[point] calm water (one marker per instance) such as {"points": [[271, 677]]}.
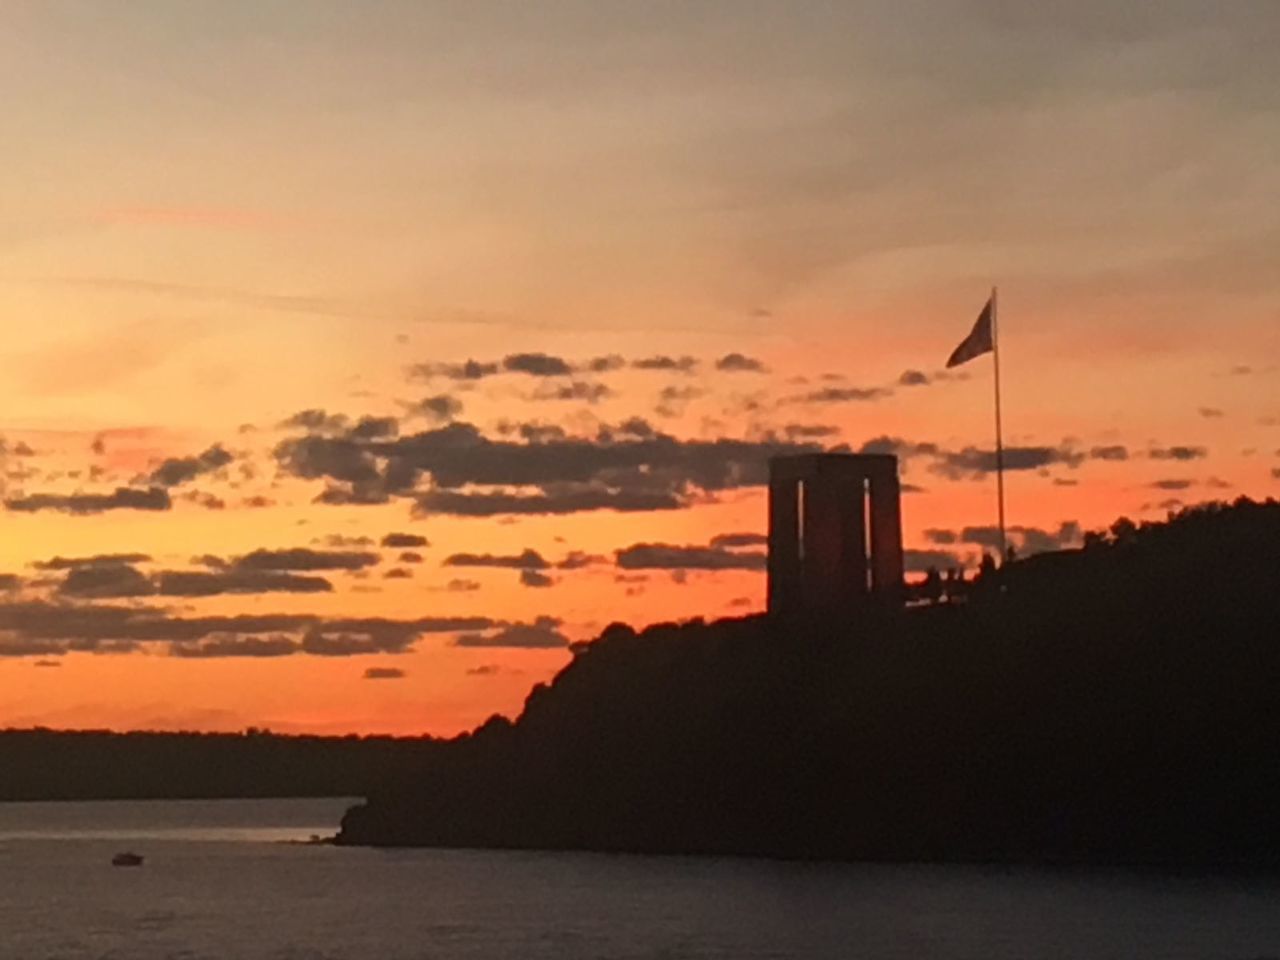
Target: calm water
{"points": [[219, 883]]}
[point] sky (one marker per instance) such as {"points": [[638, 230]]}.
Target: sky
{"points": [[360, 357]]}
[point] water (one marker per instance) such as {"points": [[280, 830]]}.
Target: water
{"points": [[219, 884]]}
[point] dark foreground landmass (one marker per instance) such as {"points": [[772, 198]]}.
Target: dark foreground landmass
{"points": [[1119, 703], [101, 765]]}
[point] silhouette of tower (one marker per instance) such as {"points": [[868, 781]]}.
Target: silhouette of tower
{"points": [[835, 532]]}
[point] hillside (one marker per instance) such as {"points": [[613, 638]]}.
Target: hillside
{"points": [[1115, 703]]}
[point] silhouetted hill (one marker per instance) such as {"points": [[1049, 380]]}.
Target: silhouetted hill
{"points": [[1115, 703], [97, 765]]}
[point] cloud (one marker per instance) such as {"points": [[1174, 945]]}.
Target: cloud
{"points": [[536, 365], [398, 573], [201, 583], [339, 540], [96, 560], [729, 541], [219, 647], [1181, 453], [591, 393], [935, 535], [664, 556], [1172, 484], [470, 370], [624, 466], [913, 378], [84, 504], [462, 586], [528, 559], [533, 578], [544, 632], [176, 471], [384, 673], [841, 395], [740, 363], [605, 364], [1210, 413], [440, 408], [1113, 452], [809, 431], [38, 627], [973, 463], [662, 362], [401, 540], [484, 670], [1027, 540], [303, 558], [577, 560], [106, 580], [409, 556], [562, 500]]}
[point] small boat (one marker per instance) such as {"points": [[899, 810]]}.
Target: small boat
{"points": [[126, 860]]}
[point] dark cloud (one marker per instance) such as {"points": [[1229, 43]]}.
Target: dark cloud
{"points": [[84, 504], [1113, 452], [534, 578], [316, 421], [672, 399], [403, 540], [42, 627], [179, 470], [1172, 484], [809, 431], [605, 364], [257, 501], [384, 673], [841, 395], [730, 541], [934, 535], [740, 363], [202, 583], [339, 541], [544, 632], [577, 560], [398, 573], [203, 499], [536, 365], [575, 390], [440, 408], [1182, 453], [973, 463], [664, 556], [46, 663], [106, 580], [470, 370], [303, 558], [1027, 540], [462, 586], [484, 670], [96, 560], [218, 647], [625, 466], [528, 559], [1210, 413], [409, 556], [561, 500], [374, 428], [10, 582], [661, 362], [913, 378]]}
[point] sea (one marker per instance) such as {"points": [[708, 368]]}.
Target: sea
{"points": [[232, 879]]}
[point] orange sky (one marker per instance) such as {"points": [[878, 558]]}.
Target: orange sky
{"points": [[217, 216]]}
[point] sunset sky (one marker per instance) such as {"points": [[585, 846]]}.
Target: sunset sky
{"points": [[360, 356]]}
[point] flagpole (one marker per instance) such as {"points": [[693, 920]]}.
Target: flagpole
{"points": [[995, 349]]}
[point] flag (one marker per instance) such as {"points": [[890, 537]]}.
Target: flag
{"points": [[978, 341]]}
